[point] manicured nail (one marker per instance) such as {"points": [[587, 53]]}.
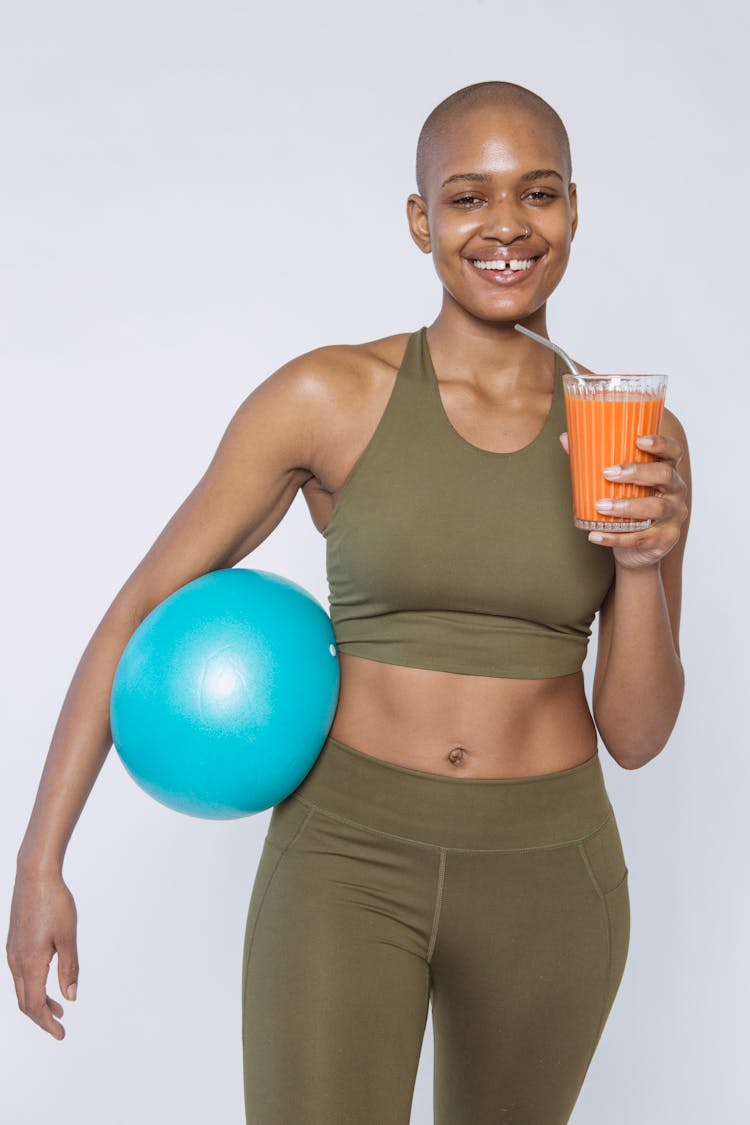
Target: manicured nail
{"points": [[596, 537], [604, 505], [645, 441], [72, 991], [612, 470]]}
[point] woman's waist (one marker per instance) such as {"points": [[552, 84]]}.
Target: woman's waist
{"points": [[522, 813], [460, 725]]}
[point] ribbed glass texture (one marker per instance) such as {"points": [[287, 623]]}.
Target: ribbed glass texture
{"points": [[605, 415]]}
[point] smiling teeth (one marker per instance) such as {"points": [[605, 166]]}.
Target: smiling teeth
{"points": [[515, 264]]}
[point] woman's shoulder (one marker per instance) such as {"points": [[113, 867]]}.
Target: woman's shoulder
{"points": [[341, 391], [331, 360], [340, 374]]}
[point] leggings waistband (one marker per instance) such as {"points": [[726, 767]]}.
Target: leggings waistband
{"points": [[542, 810]]}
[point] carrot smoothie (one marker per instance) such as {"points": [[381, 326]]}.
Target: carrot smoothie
{"points": [[606, 413]]}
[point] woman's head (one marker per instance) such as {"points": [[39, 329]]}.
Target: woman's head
{"points": [[477, 200]]}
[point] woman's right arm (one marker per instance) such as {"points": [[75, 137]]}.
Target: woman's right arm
{"points": [[260, 463]]}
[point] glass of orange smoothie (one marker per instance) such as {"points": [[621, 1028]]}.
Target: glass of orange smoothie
{"points": [[606, 413]]}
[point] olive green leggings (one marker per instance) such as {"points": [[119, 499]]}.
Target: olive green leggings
{"points": [[380, 890]]}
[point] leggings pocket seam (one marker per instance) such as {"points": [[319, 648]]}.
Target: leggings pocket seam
{"points": [[599, 828], [603, 903], [310, 814], [581, 845], [312, 809], [603, 895], [617, 885], [271, 877], [589, 870], [280, 853]]}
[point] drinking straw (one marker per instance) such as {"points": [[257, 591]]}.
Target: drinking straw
{"points": [[548, 344]]}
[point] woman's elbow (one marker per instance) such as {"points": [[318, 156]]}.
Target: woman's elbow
{"points": [[631, 753], [637, 737]]}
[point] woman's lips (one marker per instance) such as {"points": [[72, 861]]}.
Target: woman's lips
{"points": [[506, 276]]}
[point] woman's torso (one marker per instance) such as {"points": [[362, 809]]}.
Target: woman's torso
{"points": [[441, 722]]}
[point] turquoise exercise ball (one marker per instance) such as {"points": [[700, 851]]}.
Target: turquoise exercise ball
{"points": [[224, 694]]}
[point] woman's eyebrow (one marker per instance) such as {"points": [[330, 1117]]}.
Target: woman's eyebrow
{"points": [[483, 177]]}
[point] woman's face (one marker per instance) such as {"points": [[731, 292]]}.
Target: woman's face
{"points": [[483, 217]]}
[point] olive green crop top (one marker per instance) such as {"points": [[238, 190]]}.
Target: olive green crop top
{"points": [[443, 555]]}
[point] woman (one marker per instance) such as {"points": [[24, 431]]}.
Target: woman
{"points": [[454, 842]]}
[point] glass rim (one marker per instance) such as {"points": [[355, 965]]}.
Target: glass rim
{"points": [[585, 375]]}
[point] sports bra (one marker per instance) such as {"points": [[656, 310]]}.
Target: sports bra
{"points": [[443, 555]]}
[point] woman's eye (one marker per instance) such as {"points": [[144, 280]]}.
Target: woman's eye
{"points": [[467, 200]]}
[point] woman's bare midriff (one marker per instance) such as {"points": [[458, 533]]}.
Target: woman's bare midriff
{"points": [[460, 725]]}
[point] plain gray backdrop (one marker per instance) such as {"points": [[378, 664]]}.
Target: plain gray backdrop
{"points": [[193, 194]]}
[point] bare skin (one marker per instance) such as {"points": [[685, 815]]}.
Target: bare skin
{"points": [[304, 427]]}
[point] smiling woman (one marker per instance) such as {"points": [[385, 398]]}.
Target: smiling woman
{"points": [[460, 784], [454, 842]]}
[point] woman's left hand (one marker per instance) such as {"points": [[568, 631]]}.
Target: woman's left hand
{"points": [[667, 508]]}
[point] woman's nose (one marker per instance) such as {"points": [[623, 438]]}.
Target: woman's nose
{"points": [[504, 223]]}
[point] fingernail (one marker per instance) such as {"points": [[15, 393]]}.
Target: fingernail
{"points": [[595, 537], [71, 993], [645, 441], [604, 505], [612, 470]]}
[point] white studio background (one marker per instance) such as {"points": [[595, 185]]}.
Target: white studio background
{"points": [[194, 193]]}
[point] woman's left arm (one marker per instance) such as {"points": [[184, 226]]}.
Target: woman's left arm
{"points": [[639, 680]]}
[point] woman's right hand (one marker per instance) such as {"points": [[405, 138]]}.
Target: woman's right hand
{"points": [[43, 921]]}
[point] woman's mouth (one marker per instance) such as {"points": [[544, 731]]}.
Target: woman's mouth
{"points": [[503, 271]]}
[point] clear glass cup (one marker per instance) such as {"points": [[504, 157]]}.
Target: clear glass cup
{"points": [[605, 414]]}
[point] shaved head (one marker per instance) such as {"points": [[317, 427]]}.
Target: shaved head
{"points": [[504, 97]]}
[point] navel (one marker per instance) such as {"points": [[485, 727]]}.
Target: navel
{"points": [[457, 756]]}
